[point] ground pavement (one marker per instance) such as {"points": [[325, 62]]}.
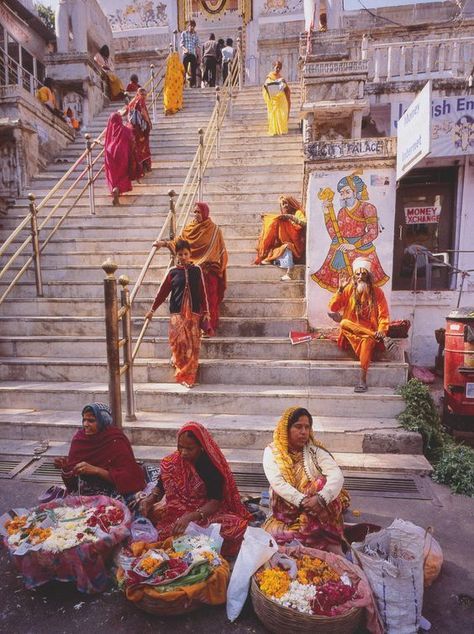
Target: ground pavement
{"points": [[59, 608]]}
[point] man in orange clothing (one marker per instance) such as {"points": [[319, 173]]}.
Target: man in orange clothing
{"points": [[364, 320]]}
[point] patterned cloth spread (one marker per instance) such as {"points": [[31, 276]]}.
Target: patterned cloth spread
{"points": [[190, 41], [186, 492], [86, 565]]}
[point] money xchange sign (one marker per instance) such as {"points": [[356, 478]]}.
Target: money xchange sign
{"points": [[414, 132], [422, 215]]}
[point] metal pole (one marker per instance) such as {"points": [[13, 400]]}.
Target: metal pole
{"points": [[175, 40], [172, 194], [127, 349], [90, 174], [240, 60], [218, 125], [201, 161], [153, 104], [112, 340], [35, 243]]}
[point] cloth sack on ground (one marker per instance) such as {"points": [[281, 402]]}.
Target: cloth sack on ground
{"points": [[257, 548], [392, 559], [432, 554]]}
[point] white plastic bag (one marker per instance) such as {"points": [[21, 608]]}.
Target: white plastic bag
{"points": [[257, 547], [213, 531], [392, 559]]}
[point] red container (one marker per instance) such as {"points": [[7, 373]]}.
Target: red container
{"points": [[459, 364]]}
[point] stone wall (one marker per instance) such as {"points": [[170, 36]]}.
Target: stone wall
{"points": [[33, 135]]}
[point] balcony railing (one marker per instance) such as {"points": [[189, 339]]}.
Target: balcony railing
{"points": [[318, 69]]}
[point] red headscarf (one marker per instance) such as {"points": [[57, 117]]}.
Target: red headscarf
{"points": [[204, 209], [207, 442]]}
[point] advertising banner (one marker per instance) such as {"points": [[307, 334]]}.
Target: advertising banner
{"points": [[414, 132]]}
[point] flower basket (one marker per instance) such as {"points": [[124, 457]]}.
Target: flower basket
{"points": [[280, 620], [281, 615], [87, 564], [181, 599]]}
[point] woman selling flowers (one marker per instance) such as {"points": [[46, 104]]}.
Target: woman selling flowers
{"points": [[307, 497], [101, 460], [199, 487]]}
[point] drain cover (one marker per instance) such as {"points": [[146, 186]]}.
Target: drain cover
{"points": [[42, 470], [11, 465]]}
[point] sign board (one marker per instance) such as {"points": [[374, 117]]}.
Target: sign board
{"points": [[354, 148], [452, 126], [414, 132], [422, 215]]}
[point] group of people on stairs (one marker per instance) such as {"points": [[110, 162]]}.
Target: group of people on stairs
{"points": [[195, 482]]}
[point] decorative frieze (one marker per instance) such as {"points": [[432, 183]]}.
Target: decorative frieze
{"points": [[318, 69]]}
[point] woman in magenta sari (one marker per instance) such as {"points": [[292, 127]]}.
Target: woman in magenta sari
{"points": [[307, 498], [118, 157], [140, 123]]}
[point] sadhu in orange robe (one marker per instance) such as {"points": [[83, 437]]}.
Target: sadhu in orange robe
{"points": [[360, 323]]}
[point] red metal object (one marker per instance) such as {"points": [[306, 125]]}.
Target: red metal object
{"points": [[459, 364]]}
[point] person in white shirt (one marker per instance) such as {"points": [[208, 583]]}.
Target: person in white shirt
{"points": [[306, 486], [227, 57]]}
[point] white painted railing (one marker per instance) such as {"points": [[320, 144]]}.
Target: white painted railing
{"points": [[423, 59]]}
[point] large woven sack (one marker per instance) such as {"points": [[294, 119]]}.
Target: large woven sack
{"points": [[397, 584]]}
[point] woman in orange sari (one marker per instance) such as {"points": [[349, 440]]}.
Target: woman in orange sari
{"points": [[307, 498], [197, 485], [139, 121], [209, 252], [282, 239]]}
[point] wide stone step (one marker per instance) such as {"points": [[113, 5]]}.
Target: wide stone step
{"points": [[82, 306], [86, 273], [378, 435], [215, 399], [158, 347], [94, 289], [32, 325], [211, 371]]}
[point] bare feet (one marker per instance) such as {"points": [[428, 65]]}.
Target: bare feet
{"points": [[116, 195], [362, 387], [337, 317]]}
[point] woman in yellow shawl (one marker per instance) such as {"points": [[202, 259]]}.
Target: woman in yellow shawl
{"points": [[102, 59], [208, 250], [174, 84], [276, 94], [282, 239], [307, 498]]}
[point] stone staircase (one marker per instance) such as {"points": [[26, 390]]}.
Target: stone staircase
{"points": [[53, 348]]}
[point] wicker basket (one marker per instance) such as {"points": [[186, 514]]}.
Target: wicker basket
{"points": [[154, 605], [281, 620]]}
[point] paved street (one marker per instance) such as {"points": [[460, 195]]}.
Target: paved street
{"points": [[58, 608]]}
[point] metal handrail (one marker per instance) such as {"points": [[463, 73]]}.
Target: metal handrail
{"points": [[20, 72], [193, 182], [156, 82]]}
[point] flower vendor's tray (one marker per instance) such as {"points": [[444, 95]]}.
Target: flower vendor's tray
{"points": [[308, 590], [67, 540], [172, 577]]}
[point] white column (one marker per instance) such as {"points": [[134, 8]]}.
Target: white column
{"points": [[309, 7], [334, 14]]}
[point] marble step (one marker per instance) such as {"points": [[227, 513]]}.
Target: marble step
{"points": [[380, 435], [226, 371], [286, 308], [215, 399]]}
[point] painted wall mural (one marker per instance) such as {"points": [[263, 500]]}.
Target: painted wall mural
{"points": [[350, 216], [281, 7], [137, 15]]}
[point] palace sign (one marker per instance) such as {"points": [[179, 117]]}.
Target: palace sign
{"points": [[414, 133]]}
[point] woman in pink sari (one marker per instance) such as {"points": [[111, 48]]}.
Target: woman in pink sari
{"points": [[118, 157], [140, 123]]}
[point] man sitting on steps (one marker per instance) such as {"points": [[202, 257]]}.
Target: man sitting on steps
{"points": [[364, 320]]}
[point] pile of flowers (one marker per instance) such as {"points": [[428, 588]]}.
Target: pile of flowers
{"points": [[58, 529], [312, 588], [168, 565]]}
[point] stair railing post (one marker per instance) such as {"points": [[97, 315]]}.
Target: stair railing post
{"points": [[35, 243], [127, 348], [153, 104], [240, 59], [90, 174], [201, 162], [112, 340], [175, 39], [218, 119], [172, 194]]}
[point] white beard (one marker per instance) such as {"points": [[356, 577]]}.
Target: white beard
{"points": [[362, 288]]}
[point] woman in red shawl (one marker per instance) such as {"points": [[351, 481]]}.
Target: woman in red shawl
{"points": [[140, 123], [198, 486], [208, 250], [101, 460], [118, 157]]}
